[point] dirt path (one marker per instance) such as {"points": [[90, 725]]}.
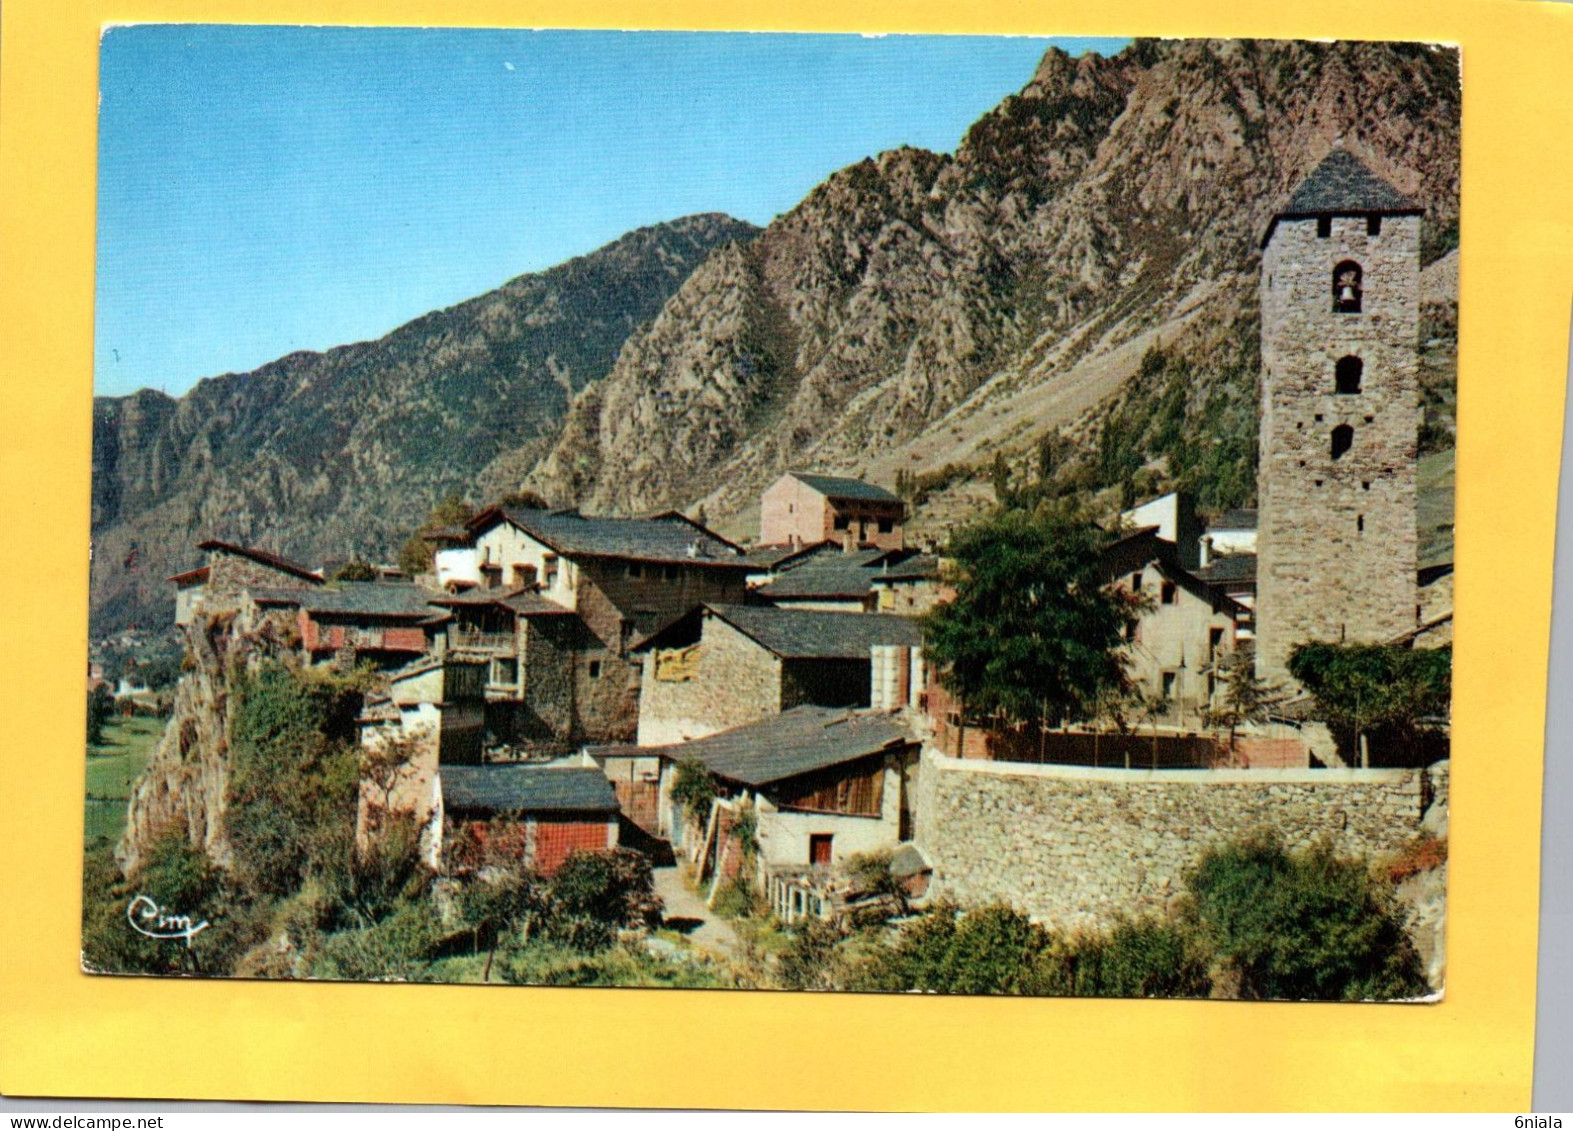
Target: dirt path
{"points": [[687, 913]]}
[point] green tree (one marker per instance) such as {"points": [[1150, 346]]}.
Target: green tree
{"points": [[356, 569], [1359, 688], [694, 788], [1246, 699], [1033, 635], [100, 706], [1302, 926]]}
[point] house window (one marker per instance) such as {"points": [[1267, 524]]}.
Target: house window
{"points": [[672, 573], [1346, 287], [551, 570], [1166, 593], [1324, 227], [1346, 375], [1373, 225], [886, 525], [1343, 440], [635, 570], [819, 849], [1136, 580], [505, 672], [1214, 642], [842, 522], [1360, 524], [595, 669], [1168, 684]]}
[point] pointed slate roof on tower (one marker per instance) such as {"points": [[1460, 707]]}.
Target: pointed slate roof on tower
{"points": [[1342, 185]]}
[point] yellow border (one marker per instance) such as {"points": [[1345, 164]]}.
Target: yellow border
{"points": [[68, 1034]]}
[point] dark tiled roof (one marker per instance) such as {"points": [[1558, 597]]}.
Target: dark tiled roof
{"points": [[664, 538], [797, 634], [1228, 568], [526, 789], [794, 742], [293, 598], [383, 600], [1243, 519], [919, 567], [841, 487], [263, 557], [521, 602], [769, 557], [830, 574], [1342, 185]]}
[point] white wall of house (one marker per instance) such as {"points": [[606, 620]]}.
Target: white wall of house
{"points": [[784, 834], [1226, 541], [508, 546], [457, 564]]}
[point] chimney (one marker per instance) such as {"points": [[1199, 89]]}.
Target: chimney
{"points": [[1207, 548], [849, 542]]}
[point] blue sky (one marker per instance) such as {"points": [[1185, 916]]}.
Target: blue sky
{"points": [[263, 190]]}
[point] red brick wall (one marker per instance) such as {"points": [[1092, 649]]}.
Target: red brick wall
{"points": [[1271, 753], [409, 639], [556, 839]]}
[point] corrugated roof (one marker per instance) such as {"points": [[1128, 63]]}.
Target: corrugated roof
{"points": [[794, 742], [1228, 568], [526, 789], [1343, 185], [664, 538], [797, 634], [384, 600], [264, 557], [842, 487]]}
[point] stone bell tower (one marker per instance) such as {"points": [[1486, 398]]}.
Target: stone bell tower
{"points": [[1340, 304]]}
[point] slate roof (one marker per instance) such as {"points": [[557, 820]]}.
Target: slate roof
{"points": [[526, 789], [799, 741], [522, 602], [842, 487], [919, 567], [1229, 568], [664, 538], [1343, 185], [798, 634], [1242, 519], [263, 557], [383, 600], [770, 556], [830, 574]]}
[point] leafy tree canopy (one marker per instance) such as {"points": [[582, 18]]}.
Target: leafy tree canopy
{"points": [[1365, 686], [415, 555], [1033, 634]]}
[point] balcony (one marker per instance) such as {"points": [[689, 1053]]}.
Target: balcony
{"points": [[501, 643]]}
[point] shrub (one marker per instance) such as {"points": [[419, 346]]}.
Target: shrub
{"points": [[694, 788], [1302, 925], [616, 888], [989, 951], [811, 960], [398, 949], [1137, 958]]}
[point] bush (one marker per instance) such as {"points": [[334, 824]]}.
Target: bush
{"points": [[694, 788], [616, 888], [1302, 925], [811, 960], [398, 949], [736, 899], [1140, 958], [989, 951]]}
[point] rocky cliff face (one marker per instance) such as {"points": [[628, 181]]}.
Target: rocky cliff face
{"points": [[918, 307], [330, 454]]}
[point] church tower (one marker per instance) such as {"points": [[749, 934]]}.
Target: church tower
{"points": [[1340, 305]]}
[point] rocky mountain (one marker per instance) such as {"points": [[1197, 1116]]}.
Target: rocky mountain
{"points": [[928, 314], [327, 454]]}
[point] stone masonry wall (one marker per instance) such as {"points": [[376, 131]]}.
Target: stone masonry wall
{"points": [[1078, 847], [724, 681], [1336, 543]]}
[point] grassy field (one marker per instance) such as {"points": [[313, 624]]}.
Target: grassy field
{"points": [[111, 768]]}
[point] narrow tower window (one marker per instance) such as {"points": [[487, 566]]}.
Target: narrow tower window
{"points": [[1343, 440], [1324, 227], [1373, 225], [1347, 374], [1346, 287]]}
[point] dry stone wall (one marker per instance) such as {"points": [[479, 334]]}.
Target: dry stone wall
{"points": [[1078, 847]]}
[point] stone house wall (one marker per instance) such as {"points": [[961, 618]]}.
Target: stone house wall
{"points": [[1183, 639], [724, 681], [1336, 539], [1079, 847], [622, 600]]}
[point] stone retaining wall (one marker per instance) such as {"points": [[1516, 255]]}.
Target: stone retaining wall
{"points": [[1079, 846]]}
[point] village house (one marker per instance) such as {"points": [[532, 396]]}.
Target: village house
{"points": [[831, 579], [437, 702], [229, 571], [727, 665], [825, 783], [537, 815], [800, 509], [385, 624], [1231, 532]]}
